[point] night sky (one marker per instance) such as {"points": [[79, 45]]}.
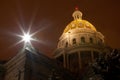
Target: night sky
{"points": [[50, 17]]}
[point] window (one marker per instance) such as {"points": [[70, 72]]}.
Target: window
{"points": [[91, 40], [74, 41], [101, 41], [82, 40], [66, 45]]}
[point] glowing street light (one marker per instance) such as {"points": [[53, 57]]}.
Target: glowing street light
{"points": [[26, 38]]}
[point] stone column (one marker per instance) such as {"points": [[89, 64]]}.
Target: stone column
{"points": [[64, 59], [67, 61], [79, 60], [92, 56]]}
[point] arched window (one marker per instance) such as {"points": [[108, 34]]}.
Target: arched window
{"points": [[82, 40], [101, 41], [74, 41], [66, 45], [91, 40]]}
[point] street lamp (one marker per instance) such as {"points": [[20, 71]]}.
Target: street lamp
{"points": [[26, 38]]}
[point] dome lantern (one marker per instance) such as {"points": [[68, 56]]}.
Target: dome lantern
{"points": [[77, 14]]}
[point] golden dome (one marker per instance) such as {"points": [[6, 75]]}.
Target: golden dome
{"points": [[78, 22]]}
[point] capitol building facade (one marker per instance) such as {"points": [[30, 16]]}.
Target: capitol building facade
{"points": [[80, 44]]}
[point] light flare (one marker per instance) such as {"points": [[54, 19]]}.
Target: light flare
{"points": [[26, 38]]}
